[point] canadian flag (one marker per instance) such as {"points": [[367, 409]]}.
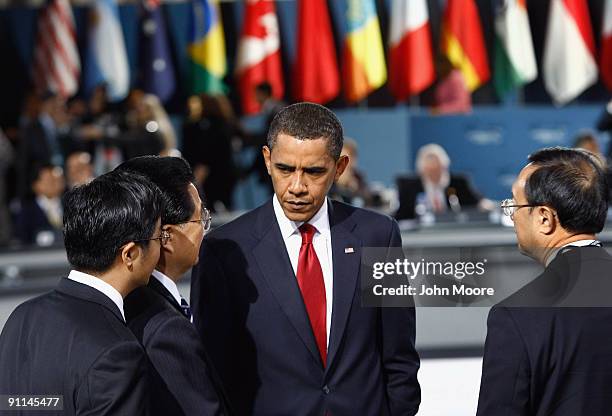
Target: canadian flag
{"points": [[259, 58], [569, 52], [411, 67], [605, 62]]}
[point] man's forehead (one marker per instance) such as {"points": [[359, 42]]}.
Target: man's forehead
{"points": [[521, 180]]}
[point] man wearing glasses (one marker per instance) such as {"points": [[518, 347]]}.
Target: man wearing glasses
{"points": [[183, 381], [548, 345], [73, 342]]}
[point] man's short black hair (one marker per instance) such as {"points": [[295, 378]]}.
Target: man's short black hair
{"points": [[172, 175], [572, 182], [107, 213], [308, 121]]}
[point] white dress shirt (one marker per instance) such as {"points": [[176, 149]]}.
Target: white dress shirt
{"points": [[579, 243], [322, 244], [168, 284], [101, 286]]}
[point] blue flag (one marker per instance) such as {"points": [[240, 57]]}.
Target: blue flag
{"points": [[156, 68]]}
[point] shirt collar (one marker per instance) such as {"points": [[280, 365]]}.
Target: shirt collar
{"points": [[101, 286], [320, 220], [579, 243], [168, 284]]}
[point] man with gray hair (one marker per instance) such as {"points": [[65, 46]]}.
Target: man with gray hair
{"points": [[277, 299], [439, 190]]}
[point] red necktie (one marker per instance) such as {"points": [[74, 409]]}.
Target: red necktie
{"points": [[310, 280]]}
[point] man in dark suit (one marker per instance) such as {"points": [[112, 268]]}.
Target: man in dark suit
{"points": [[74, 341], [277, 296], [435, 187], [548, 346], [39, 219], [183, 381]]}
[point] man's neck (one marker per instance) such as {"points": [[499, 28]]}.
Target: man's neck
{"points": [[119, 283], [562, 241], [174, 273]]}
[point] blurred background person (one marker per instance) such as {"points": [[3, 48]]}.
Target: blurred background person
{"points": [[586, 140], [194, 128], [352, 187], [149, 131], [207, 145], [39, 219], [79, 169], [451, 94], [6, 158], [435, 188], [269, 107], [41, 141]]}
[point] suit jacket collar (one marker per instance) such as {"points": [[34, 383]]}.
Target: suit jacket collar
{"points": [[273, 260], [160, 289], [82, 291]]}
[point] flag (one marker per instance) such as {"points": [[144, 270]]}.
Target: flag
{"points": [[315, 72], [57, 66], [569, 51], [259, 57], [605, 62], [206, 48], [107, 61], [463, 43], [157, 70], [364, 68], [411, 66], [515, 62]]}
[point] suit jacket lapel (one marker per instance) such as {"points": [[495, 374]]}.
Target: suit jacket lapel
{"points": [[273, 260], [79, 290], [156, 285], [346, 272]]}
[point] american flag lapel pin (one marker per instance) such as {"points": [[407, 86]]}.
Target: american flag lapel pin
{"points": [[349, 250]]}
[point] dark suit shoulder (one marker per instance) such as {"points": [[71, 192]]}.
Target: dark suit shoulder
{"points": [[92, 324], [237, 228]]}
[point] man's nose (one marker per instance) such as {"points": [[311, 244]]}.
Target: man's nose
{"points": [[298, 184]]}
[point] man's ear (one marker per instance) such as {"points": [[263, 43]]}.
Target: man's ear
{"points": [[265, 150], [341, 165], [130, 253], [547, 220], [169, 246]]}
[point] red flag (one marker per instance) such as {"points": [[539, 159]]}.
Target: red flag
{"points": [[57, 66], [259, 58], [605, 62], [315, 73], [463, 42], [411, 66]]}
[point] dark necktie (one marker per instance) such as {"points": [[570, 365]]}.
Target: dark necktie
{"points": [[185, 308], [310, 281]]}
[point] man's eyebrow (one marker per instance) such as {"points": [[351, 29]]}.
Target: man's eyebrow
{"points": [[283, 166], [315, 169]]}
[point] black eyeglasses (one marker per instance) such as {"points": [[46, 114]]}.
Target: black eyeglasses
{"points": [[509, 206], [163, 238], [205, 220]]}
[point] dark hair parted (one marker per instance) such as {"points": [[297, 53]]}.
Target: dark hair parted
{"points": [[308, 121], [172, 175], [107, 213], [572, 182]]}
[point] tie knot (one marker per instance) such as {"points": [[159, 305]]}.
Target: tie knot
{"points": [[307, 232]]}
